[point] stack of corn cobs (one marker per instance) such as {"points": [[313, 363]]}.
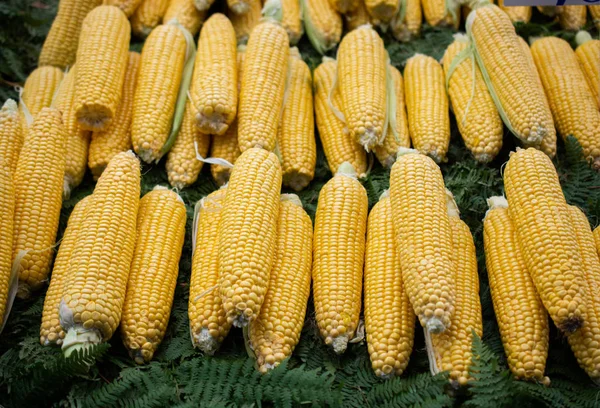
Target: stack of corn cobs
{"points": [[255, 253]]}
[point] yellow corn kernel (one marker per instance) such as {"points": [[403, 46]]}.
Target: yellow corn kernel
{"points": [[208, 322], [572, 18], [595, 13], [156, 92], [7, 212], [39, 90], [186, 14], [243, 24], [50, 330], [248, 226], [588, 55], [148, 16], [409, 27], [101, 64], [451, 351], [585, 343], [357, 17], [437, 13], [60, 46], [478, 119], [239, 6], [339, 251], [276, 331], [566, 87], [11, 135], [128, 6], [78, 140], [427, 106], [423, 238], [521, 316], [153, 276], [214, 83], [511, 76], [539, 211], [38, 197], [389, 317], [291, 19], [362, 84], [338, 146], [382, 10], [296, 136], [97, 274], [323, 24], [517, 14], [224, 147], [263, 85], [117, 137], [344, 6]]}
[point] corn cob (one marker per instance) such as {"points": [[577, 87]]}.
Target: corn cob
{"points": [[357, 17], [127, 6], [427, 106], [451, 350], [39, 90], [588, 55], [38, 197], [539, 211], [208, 322], [184, 11], [8, 275], [11, 135], [102, 62], [239, 6], [517, 14], [438, 13], [344, 6], [389, 334], [263, 86], [323, 24], [566, 87], [94, 290], [148, 16], [572, 18], [153, 275], [291, 19], [338, 146], [243, 24], [423, 238], [585, 343], [595, 13], [60, 46], [382, 10], [117, 137], [386, 152], [276, 330], [50, 330], [78, 140], [156, 92], [478, 119], [338, 250], [248, 226], [362, 84], [224, 147], [214, 82], [510, 76], [525, 340], [406, 24], [296, 136]]}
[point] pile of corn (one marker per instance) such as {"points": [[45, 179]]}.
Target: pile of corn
{"points": [[245, 97]]}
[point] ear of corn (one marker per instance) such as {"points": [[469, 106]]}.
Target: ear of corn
{"points": [[39, 90], [224, 147], [263, 85], [276, 331], [60, 46], [357, 17], [424, 238], [7, 273], [296, 136], [539, 211], [161, 69], [208, 321], [323, 24], [382, 10], [588, 55], [566, 87], [514, 295], [185, 12], [427, 106], [243, 24], [343, 6], [361, 78], [338, 146], [595, 13], [239, 6], [501, 56], [585, 343], [94, 290], [117, 137], [11, 135], [476, 115], [406, 24], [148, 16], [101, 65], [292, 19], [386, 152], [128, 6], [517, 14], [438, 13], [248, 226], [153, 276], [50, 331], [214, 83], [389, 317], [38, 196], [339, 250], [572, 18]]}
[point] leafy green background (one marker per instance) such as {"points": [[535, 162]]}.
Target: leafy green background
{"points": [[32, 375]]}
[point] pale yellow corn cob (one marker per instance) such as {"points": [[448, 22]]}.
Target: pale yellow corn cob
{"points": [[409, 27], [291, 19], [38, 196], [517, 14], [357, 17], [148, 16], [39, 90], [323, 24], [572, 18], [128, 6], [588, 55], [11, 135], [7, 212], [243, 24], [437, 14], [343, 6], [184, 11]]}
